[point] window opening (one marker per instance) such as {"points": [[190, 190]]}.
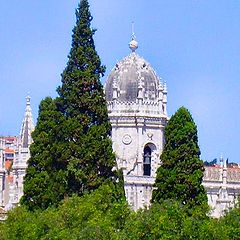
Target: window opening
{"points": [[147, 161]]}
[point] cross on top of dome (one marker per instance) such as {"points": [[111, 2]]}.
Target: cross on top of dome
{"points": [[133, 45]]}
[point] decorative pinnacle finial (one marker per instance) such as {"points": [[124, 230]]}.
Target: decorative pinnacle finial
{"points": [[133, 34], [133, 45], [165, 86], [28, 98]]}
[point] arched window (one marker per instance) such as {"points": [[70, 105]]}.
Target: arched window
{"points": [[147, 161]]}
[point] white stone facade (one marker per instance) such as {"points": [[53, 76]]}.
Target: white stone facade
{"points": [[137, 108], [222, 184]]}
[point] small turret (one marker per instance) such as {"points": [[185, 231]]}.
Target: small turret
{"points": [[22, 155], [165, 98], [140, 89], [27, 126], [115, 89]]}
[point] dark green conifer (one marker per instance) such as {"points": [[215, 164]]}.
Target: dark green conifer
{"points": [[180, 175], [81, 100], [79, 155], [44, 183]]}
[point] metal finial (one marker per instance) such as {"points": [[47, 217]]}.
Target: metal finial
{"points": [[133, 34], [28, 98], [133, 45]]}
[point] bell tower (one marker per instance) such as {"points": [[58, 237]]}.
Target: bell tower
{"points": [[136, 100]]}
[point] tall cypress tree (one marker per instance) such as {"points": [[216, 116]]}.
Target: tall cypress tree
{"points": [[180, 175], [81, 100], [80, 148]]}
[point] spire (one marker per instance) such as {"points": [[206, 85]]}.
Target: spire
{"points": [[133, 34], [27, 125], [133, 45]]}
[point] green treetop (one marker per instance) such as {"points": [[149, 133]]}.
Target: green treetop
{"points": [[180, 175]]}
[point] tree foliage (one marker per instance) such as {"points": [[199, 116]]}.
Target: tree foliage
{"points": [[72, 150], [95, 216], [44, 183], [180, 175]]}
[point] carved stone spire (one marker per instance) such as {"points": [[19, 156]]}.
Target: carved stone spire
{"points": [[27, 125]]}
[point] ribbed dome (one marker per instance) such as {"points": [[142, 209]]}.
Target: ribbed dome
{"points": [[130, 74]]}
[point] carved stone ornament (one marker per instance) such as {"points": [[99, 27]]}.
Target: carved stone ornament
{"points": [[150, 135], [127, 139]]}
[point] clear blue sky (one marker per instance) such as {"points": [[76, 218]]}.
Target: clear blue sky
{"points": [[194, 45]]}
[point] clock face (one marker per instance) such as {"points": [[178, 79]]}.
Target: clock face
{"points": [[127, 139]]}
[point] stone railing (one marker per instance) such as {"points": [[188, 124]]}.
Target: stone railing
{"points": [[146, 180], [214, 173]]}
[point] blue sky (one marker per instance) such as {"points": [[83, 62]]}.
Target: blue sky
{"points": [[192, 44]]}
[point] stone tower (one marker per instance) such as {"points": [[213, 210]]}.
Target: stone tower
{"points": [[137, 108], [22, 154]]}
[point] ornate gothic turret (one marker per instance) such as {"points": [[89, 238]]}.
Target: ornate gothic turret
{"points": [[22, 154], [137, 102], [27, 126]]}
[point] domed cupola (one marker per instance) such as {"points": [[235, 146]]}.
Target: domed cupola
{"points": [[133, 81], [130, 78]]}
